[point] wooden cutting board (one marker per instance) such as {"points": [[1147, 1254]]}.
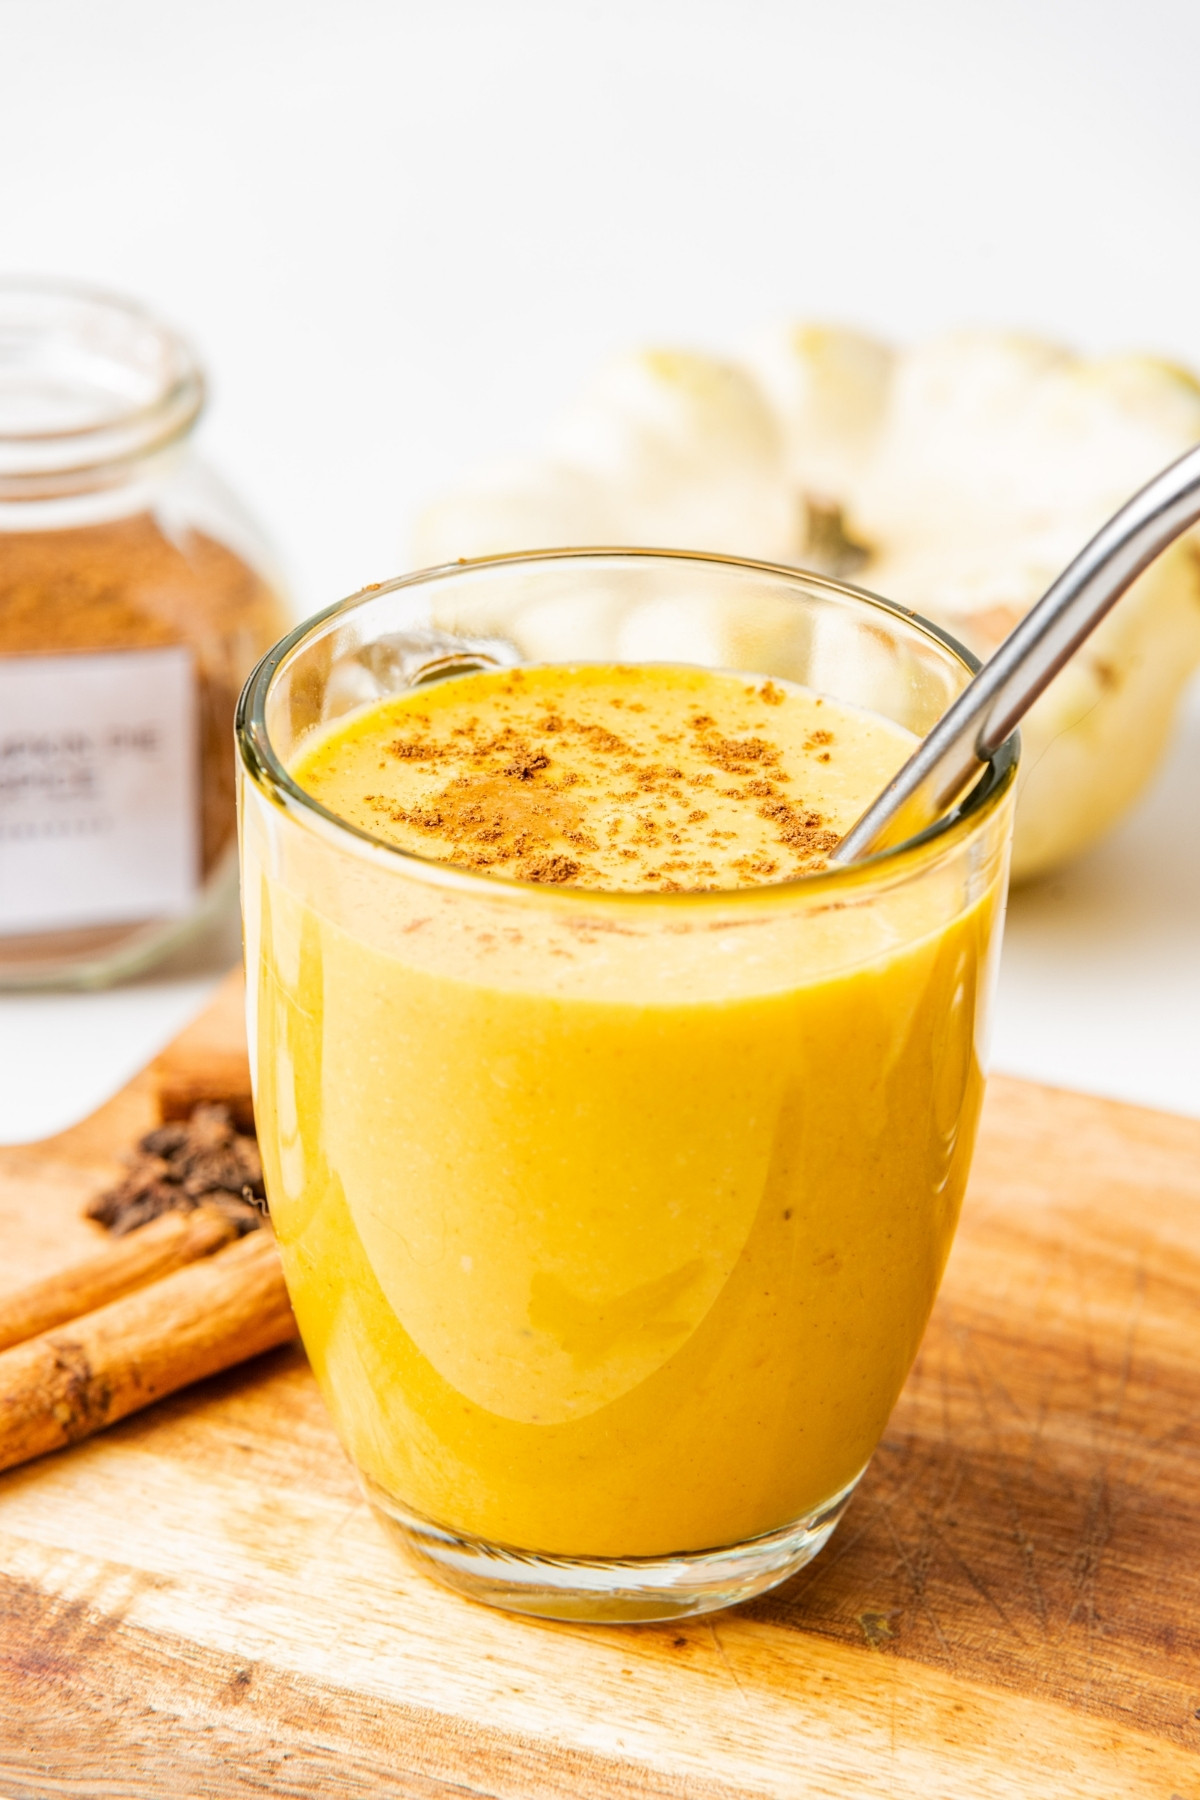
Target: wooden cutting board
{"points": [[198, 1603]]}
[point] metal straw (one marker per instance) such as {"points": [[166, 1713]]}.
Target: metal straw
{"points": [[992, 705]]}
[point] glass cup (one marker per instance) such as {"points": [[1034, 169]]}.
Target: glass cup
{"points": [[612, 1222]]}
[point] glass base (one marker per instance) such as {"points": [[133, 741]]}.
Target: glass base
{"points": [[610, 1590]]}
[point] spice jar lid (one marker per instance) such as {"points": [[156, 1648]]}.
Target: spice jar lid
{"points": [[89, 383]]}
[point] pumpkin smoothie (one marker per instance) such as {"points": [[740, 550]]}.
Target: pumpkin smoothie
{"points": [[612, 1223]]}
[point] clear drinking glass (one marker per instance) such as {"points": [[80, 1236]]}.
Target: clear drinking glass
{"points": [[612, 1222]]}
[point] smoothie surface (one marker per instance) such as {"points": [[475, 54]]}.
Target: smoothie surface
{"points": [[635, 777]]}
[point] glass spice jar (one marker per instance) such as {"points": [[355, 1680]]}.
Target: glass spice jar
{"points": [[135, 597]]}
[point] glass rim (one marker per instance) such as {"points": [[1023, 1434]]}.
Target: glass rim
{"points": [[263, 766], [46, 461]]}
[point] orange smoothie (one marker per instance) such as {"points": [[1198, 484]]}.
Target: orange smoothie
{"points": [[612, 1225]]}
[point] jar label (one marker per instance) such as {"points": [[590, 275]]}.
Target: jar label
{"points": [[99, 788]]}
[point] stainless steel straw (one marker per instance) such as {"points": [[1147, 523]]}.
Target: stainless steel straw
{"points": [[992, 705]]}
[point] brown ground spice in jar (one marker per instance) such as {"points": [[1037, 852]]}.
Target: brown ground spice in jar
{"points": [[126, 584]]}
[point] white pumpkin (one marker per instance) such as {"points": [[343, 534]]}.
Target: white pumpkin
{"points": [[958, 477]]}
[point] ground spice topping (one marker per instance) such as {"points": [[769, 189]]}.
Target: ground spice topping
{"points": [[632, 777]]}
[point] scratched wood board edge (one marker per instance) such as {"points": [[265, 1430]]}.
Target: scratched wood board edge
{"points": [[1037, 1116], [153, 1713]]}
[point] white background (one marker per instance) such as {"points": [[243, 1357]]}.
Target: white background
{"points": [[402, 231]]}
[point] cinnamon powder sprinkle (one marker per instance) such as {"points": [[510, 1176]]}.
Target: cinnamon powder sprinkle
{"points": [[521, 773]]}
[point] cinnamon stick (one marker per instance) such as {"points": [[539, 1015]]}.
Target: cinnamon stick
{"points": [[208, 1061], [67, 1383], [123, 1265]]}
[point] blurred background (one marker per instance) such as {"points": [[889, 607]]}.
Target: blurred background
{"points": [[401, 235]]}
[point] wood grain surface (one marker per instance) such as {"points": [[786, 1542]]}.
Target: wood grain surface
{"points": [[198, 1602]]}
